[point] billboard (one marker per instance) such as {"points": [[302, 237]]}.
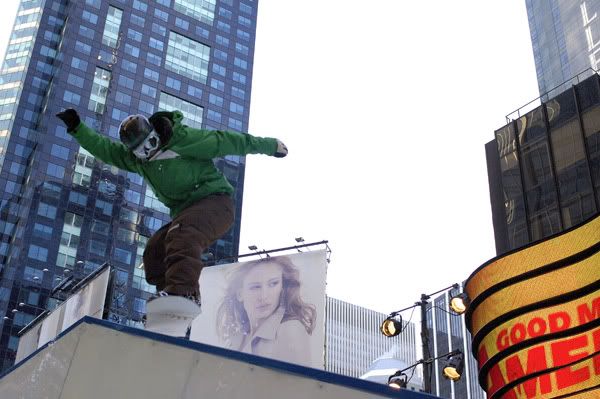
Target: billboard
{"points": [[87, 301], [535, 318], [272, 307]]}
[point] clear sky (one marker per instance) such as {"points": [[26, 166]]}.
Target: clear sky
{"points": [[385, 106]]}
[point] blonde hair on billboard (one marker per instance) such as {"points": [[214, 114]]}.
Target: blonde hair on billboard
{"points": [[232, 319]]}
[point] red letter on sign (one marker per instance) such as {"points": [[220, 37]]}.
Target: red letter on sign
{"points": [[559, 321], [588, 314], [536, 361], [597, 349], [561, 354]]}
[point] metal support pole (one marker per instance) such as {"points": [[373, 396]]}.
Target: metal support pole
{"points": [[425, 341]]}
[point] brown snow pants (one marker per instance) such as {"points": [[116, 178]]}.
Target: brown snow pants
{"points": [[172, 255]]}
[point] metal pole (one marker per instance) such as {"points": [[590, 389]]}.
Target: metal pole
{"points": [[425, 342]]}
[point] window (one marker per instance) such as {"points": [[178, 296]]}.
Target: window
{"points": [[235, 124], [215, 100], [55, 170], [42, 231], [75, 80], [79, 64], [38, 253], [132, 196], [140, 6], [90, 17], [100, 227], [149, 90], [122, 256], [151, 74], [161, 30], [132, 50], [194, 91], [71, 97], [173, 83], [192, 112], [99, 92], [77, 198], [125, 235], [161, 15], [129, 215], [214, 116], [237, 92], [243, 35], [238, 62], [154, 59], [183, 24], [134, 35], [97, 248], [137, 20], [201, 10], [86, 32], [187, 57], [125, 82], [129, 66], [150, 201], [156, 44], [220, 55], [223, 41], [240, 78], [217, 84], [104, 207], [83, 48], [236, 108], [60, 151], [123, 98], [244, 21], [218, 69]]}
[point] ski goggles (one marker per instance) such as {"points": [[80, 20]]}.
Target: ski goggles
{"points": [[147, 148]]}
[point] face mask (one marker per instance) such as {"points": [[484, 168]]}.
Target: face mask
{"points": [[148, 147]]}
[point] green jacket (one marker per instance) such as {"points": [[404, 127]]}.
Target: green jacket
{"points": [[183, 171]]}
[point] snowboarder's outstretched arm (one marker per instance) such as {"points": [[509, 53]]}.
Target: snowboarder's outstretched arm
{"points": [[103, 148], [208, 144]]}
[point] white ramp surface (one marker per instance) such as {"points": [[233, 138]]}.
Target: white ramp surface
{"points": [[96, 359]]}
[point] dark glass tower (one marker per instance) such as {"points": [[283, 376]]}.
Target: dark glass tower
{"points": [[544, 168], [565, 36], [64, 213]]}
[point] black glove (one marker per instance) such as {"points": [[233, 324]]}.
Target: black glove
{"points": [[70, 118], [282, 150]]}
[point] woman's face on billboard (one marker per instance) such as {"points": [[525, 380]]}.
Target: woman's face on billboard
{"points": [[261, 291]]}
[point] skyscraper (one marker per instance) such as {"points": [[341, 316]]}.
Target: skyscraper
{"points": [[64, 213], [565, 36], [544, 165]]}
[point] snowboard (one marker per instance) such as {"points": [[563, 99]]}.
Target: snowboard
{"points": [[171, 315]]}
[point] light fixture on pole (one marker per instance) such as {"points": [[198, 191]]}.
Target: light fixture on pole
{"points": [[452, 370], [392, 325], [454, 367], [459, 303]]}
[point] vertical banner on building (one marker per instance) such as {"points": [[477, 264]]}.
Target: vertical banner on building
{"points": [[272, 307], [535, 318]]}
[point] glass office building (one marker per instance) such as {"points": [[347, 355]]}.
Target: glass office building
{"points": [[565, 36], [544, 168], [64, 213]]}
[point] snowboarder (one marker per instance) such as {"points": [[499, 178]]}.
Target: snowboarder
{"points": [[177, 163]]}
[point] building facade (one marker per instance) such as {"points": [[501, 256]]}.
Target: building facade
{"points": [[64, 213], [354, 342], [544, 168], [565, 36]]}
